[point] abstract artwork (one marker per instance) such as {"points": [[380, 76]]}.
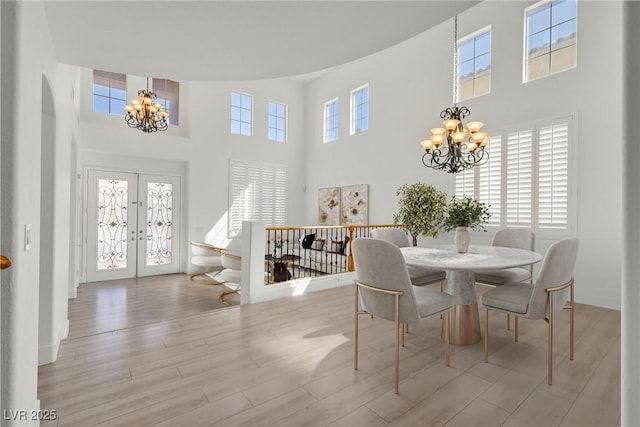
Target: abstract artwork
{"points": [[329, 206], [355, 204]]}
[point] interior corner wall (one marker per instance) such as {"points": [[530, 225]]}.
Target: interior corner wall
{"points": [[410, 83]]}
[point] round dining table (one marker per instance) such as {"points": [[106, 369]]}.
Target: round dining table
{"points": [[460, 267]]}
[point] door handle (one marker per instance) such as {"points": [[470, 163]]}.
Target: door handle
{"points": [[4, 262]]}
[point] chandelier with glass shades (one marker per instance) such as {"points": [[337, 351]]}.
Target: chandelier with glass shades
{"points": [[145, 114], [454, 148]]}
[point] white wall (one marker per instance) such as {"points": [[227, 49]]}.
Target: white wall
{"points": [[24, 29], [411, 83]]}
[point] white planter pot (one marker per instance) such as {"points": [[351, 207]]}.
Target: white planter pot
{"points": [[278, 253], [462, 240]]}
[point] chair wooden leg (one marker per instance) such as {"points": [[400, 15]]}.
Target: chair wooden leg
{"points": [[355, 339], [508, 322], [397, 362], [550, 342], [406, 327], [224, 294], [515, 326], [486, 336], [447, 338], [571, 322], [402, 334]]}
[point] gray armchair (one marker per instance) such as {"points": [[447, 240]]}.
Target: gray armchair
{"points": [[541, 300], [420, 276], [384, 287], [518, 238]]}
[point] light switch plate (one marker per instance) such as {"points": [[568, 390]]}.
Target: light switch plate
{"points": [[27, 237]]}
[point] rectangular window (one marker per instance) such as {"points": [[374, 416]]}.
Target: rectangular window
{"points": [[490, 180], [360, 109], [551, 29], [168, 94], [519, 178], [277, 122], [465, 183], [527, 180], [553, 176], [474, 65], [109, 92], [257, 192], [241, 114], [330, 120]]}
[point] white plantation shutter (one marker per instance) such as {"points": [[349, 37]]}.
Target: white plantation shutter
{"points": [[490, 180], [465, 183], [553, 176], [519, 178], [257, 192]]}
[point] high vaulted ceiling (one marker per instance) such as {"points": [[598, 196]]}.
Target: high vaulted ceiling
{"points": [[233, 40]]}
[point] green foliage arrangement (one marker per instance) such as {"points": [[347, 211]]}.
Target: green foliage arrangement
{"points": [[466, 212], [421, 209]]}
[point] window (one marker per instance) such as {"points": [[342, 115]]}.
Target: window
{"points": [[474, 65], [109, 92], [527, 180], [331, 120], [490, 180], [550, 38], [360, 109], [168, 94], [241, 114], [257, 192], [277, 122]]}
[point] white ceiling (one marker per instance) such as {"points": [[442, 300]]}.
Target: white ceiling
{"points": [[233, 40]]}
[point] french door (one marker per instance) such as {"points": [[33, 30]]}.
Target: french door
{"points": [[132, 225]]}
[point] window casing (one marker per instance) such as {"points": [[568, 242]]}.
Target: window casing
{"points": [[277, 122], [550, 38], [109, 92], [359, 110], [528, 179], [474, 65], [330, 120], [241, 114], [168, 94], [257, 192]]}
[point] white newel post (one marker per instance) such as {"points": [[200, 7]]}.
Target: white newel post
{"points": [[253, 235]]}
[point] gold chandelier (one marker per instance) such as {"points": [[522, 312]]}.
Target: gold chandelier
{"points": [[145, 114], [453, 148]]}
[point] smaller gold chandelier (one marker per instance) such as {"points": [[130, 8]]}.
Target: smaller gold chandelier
{"points": [[145, 114]]}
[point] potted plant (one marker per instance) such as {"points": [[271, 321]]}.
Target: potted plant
{"points": [[421, 210], [463, 214]]}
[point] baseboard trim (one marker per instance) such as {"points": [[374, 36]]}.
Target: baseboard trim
{"points": [[49, 353]]}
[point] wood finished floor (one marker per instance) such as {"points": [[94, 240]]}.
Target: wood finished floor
{"points": [[289, 362]]}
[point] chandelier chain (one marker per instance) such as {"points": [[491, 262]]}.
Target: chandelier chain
{"points": [[455, 60]]}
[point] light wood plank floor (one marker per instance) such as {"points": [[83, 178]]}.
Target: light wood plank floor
{"points": [[289, 362]]}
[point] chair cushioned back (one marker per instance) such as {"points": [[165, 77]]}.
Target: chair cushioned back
{"points": [[380, 264], [557, 269], [393, 235], [518, 238]]}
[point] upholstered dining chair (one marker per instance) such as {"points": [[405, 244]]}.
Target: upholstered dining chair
{"points": [[540, 300], [420, 276], [519, 238], [383, 285], [207, 256], [231, 274]]}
